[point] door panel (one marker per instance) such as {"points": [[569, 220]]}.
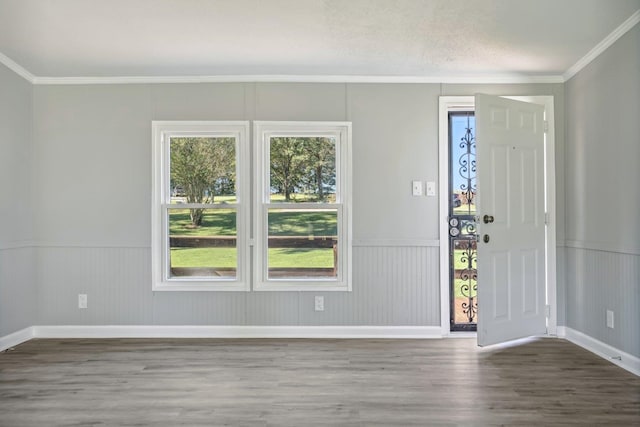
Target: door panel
{"points": [[511, 270]]}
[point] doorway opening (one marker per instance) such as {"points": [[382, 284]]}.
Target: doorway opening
{"points": [[463, 268], [458, 221]]}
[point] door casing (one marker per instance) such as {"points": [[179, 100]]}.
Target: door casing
{"points": [[464, 103]]}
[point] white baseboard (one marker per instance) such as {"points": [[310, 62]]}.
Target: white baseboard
{"points": [[618, 357], [16, 338], [156, 331]]}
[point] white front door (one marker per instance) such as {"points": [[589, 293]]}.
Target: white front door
{"points": [[511, 226]]}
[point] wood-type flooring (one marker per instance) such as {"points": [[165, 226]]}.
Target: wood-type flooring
{"points": [[311, 382]]}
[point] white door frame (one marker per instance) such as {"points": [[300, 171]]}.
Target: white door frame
{"points": [[462, 103]]}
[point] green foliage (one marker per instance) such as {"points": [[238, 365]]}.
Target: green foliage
{"points": [[287, 164], [203, 167], [302, 165]]}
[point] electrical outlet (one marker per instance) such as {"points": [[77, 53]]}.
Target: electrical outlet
{"points": [[319, 303], [82, 300], [610, 319]]}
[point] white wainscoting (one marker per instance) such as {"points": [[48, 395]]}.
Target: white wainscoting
{"points": [[598, 280], [395, 283]]}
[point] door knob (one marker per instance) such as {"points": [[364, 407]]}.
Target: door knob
{"points": [[486, 238], [488, 219]]}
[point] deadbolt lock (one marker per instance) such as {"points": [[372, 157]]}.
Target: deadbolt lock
{"points": [[488, 219], [486, 238]]}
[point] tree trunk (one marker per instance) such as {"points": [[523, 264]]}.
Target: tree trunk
{"points": [[319, 182], [196, 217], [287, 192]]}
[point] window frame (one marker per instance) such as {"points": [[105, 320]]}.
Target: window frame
{"points": [[262, 132], [162, 131]]}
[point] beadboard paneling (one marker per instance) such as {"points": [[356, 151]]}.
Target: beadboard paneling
{"points": [[598, 281], [198, 308], [394, 286], [391, 286], [18, 294], [117, 282], [561, 285]]}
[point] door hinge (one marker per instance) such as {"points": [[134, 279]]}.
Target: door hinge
{"points": [[546, 218], [545, 125], [547, 311]]}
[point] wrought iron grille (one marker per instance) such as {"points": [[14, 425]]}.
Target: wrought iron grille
{"points": [[462, 221]]}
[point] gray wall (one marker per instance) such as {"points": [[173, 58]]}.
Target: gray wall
{"points": [[603, 197], [93, 169], [17, 259], [93, 166]]}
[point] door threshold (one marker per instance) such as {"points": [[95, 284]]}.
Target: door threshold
{"points": [[462, 334]]}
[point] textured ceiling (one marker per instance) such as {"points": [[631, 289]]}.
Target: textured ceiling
{"points": [[105, 38]]}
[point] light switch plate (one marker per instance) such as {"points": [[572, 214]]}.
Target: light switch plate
{"points": [[416, 188], [431, 188]]}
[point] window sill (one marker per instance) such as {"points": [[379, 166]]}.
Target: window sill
{"points": [[200, 287]]}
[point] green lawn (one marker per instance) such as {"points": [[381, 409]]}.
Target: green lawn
{"points": [[204, 257], [461, 260], [216, 222], [222, 222], [226, 257], [460, 265], [288, 223], [300, 257]]}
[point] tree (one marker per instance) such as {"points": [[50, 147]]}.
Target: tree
{"points": [[198, 165], [287, 164], [321, 164]]}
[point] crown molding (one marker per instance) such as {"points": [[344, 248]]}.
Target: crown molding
{"points": [[631, 22], [286, 78], [16, 68]]}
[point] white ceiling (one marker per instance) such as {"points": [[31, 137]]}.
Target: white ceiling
{"points": [[419, 38]]}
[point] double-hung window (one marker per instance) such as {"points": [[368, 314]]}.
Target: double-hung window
{"points": [[303, 211], [200, 206], [209, 233]]}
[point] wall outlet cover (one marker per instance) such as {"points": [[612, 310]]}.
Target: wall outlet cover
{"points": [[610, 319], [82, 300]]}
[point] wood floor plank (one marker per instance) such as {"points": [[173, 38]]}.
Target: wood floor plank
{"points": [[286, 382]]}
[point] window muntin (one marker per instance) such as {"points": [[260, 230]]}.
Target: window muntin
{"points": [[200, 207], [303, 227]]}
